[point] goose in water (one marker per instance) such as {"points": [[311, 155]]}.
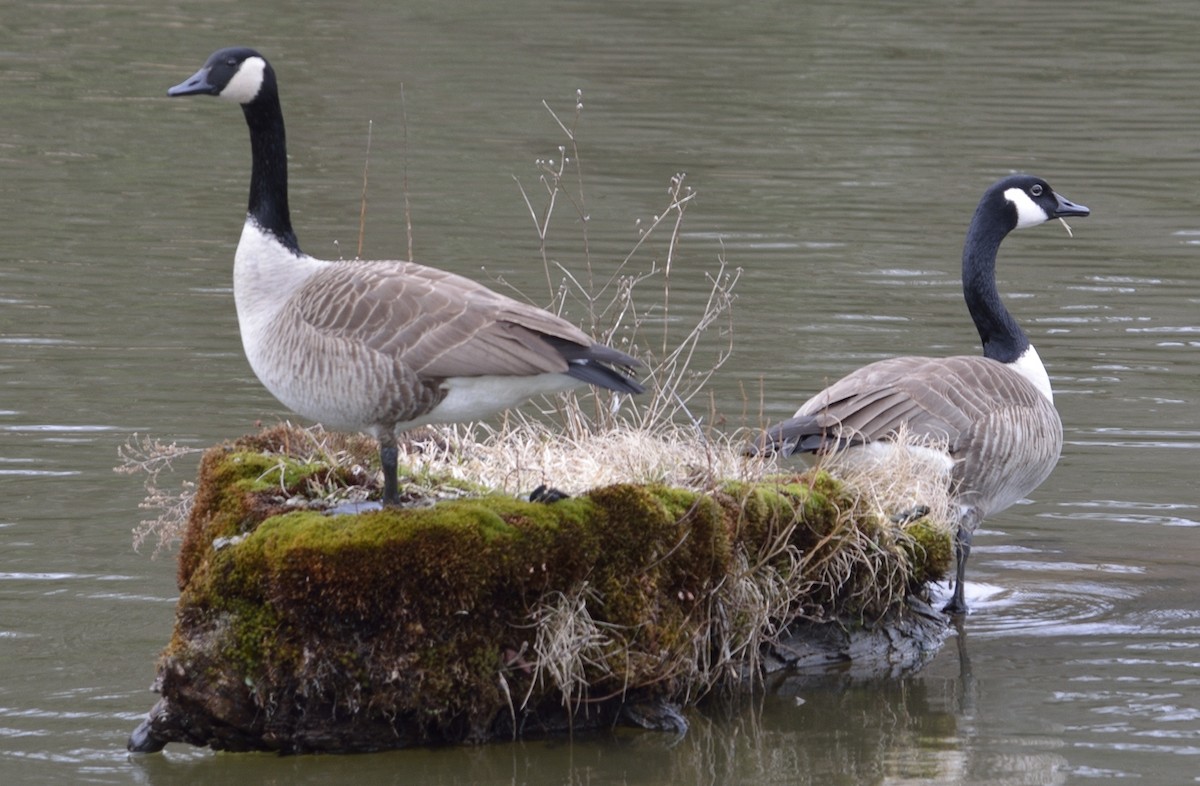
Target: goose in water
{"points": [[378, 346], [993, 415]]}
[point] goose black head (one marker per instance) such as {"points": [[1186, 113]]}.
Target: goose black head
{"points": [[1032, 201], [1011, 203], [237, 73]]}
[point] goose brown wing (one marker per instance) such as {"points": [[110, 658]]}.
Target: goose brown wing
{"points": [[934, 399], [875, 401], [436, 323]]}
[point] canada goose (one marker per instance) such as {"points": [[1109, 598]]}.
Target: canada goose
{"points": [[374, 346], [994, 414]]}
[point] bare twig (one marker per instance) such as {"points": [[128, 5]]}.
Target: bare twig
{"points": [[404, 177], [152, 457], [362, 211]]}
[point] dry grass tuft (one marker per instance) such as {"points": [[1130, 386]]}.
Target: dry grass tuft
{"points": [[866, 558], [898, 476], [523, 453], [749, 612], [570, 648]]}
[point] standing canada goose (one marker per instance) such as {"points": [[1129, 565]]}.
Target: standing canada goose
{"points": [[375, 346], [993, 415]]}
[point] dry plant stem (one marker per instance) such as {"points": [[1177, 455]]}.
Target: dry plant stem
{"points": [[404, 175], [680, 361], [551, 176], [362, 211], [749, 611], [578, 200], [677, 209], [570, 648], [540, 224], [678, 201], [614, 307], [150, 456]]}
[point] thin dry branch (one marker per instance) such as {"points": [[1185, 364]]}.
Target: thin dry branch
{"points": [[362, 211], [404, 176], [149, 456]]}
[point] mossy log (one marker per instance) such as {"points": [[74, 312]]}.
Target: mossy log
{"points": [[491, 617]]}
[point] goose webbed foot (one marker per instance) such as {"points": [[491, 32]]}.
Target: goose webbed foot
{"points": [[908, 516], [957, 606], [547, 494]]}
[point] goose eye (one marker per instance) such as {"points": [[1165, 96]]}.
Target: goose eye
{"points": [[1036, 190]]}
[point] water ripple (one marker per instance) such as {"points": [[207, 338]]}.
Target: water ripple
{"points": [[34, 340], [56, 428], [48, 576], [1044, 607], [1164, 514], [1139, 438]]}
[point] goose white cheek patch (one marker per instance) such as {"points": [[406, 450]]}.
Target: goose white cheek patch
{"points": [[1029, 213], [246, 83]]}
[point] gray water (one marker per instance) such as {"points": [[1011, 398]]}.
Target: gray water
{"points": [[836, 152]]}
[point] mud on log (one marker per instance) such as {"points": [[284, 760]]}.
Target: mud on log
{"points": [[489, 617]]}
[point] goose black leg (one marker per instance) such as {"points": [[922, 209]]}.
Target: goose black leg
{"points": [[389, 455], [962, 550]]}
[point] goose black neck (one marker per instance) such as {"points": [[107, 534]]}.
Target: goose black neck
{"points": [[268, 176], [1003, 339]]}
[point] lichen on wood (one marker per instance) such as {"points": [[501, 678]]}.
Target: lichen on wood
{"points": [[488, 617]]}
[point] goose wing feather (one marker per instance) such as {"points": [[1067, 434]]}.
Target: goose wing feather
{"points": [[443, 325], [943, 400]]}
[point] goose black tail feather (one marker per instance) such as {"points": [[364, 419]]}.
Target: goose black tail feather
{"points": [[800, 434], [594, 365], [598, 374]]}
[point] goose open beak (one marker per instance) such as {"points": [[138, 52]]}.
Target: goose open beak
{"points": [[1066, 208]]}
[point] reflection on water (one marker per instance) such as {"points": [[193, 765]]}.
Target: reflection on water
{"points": [[836, 151]]}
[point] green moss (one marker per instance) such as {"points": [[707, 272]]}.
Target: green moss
{"points": [[930, 551], [824, 503], [418, 612], [235, 485]]}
